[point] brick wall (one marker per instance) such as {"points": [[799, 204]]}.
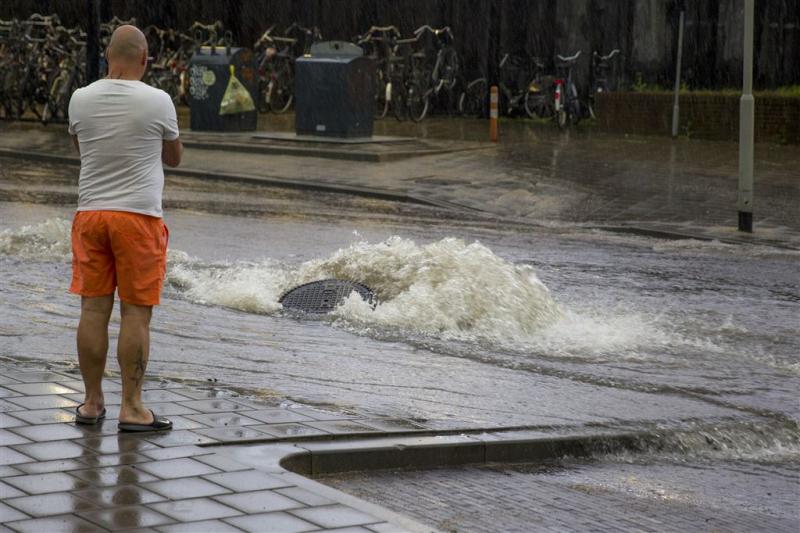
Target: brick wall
{"points": [[702, 115]]}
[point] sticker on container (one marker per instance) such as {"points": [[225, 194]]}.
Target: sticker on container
{"points": [[197, 87], [209, 78]]}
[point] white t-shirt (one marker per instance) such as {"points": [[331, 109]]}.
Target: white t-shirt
{"points": [[120, 125]]}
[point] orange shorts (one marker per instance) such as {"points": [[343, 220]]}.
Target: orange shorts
{"points": [[119, 250]]}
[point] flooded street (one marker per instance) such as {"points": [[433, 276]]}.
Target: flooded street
{"points": [[477, 323]]}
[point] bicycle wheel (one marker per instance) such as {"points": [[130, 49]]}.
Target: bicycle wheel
{"points": [[398, 101], [561, 118], [13, 103], [536, 106], [280, 94], [417, 101], [472, 102], [575, 113], [51, 107], [447, 69], [263, 91], [383, 92]]}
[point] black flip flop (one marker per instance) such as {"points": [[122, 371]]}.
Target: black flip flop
{"points": [[88, 420], [158, 424]]}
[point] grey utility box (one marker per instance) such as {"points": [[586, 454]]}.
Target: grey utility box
{"points": [[333, 91], [209, 76]]}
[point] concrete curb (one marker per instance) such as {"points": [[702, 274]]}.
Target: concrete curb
{"points": [[246, 178], [412, 450], [361, 156], [677, 236], [301, 461]]}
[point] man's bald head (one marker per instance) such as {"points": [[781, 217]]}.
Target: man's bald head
{"points": [[128, 45]]}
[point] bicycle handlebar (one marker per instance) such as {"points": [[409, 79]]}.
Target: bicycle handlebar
{"points": [[265, 37], [214, 27], [279, 39], [569, 59], [44, 19], [370, 33], [384, 29], [435, 31], [614, 52], [307, 31]]}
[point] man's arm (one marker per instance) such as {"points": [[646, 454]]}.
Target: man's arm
{"points": [[172, 152], [75, 142]]}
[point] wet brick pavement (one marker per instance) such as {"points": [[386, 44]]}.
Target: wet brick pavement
{"points": [[58, 476], [642, 499]]}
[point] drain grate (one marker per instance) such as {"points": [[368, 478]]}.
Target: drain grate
{"points": [[323, 296]]}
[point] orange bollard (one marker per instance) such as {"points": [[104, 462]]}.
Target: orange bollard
{"points": [[493, 101]]}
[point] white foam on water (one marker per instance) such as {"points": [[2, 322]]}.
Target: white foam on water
{"points": [[445, 290], [250, 287], [48, 240], [448, 289]]}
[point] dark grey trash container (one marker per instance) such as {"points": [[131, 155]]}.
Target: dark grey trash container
{"points": [[209, 73], [333, 91]]}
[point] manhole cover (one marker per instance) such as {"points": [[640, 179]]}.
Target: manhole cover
{"points": [[323, 296]]}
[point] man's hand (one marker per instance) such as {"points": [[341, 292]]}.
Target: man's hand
{"points": [[75, 142], [171, 152]]}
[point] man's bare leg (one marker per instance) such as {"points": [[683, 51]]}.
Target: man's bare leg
{"points": [[133, 351], [93, 349]]}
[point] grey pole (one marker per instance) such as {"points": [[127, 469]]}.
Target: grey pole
{"points": [[746, 121], [676, 106]]}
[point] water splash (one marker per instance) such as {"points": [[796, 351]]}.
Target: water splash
{"points": [[756, 441], [447, 289], [46, 241]]}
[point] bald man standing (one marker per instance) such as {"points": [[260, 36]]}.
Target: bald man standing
{"points": [[124, 130]]}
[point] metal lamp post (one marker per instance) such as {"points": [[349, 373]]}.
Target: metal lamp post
{"points": [[746, 120], [676, 104]]}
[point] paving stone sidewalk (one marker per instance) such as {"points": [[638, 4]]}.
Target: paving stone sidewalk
{"points": [[59, 476]]}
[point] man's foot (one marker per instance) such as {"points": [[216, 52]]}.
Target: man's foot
{"points": [[157, 424], [84, 417]]}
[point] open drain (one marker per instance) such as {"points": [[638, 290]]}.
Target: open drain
{"points": [[323, 296]]}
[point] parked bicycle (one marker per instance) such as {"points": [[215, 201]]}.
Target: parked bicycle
{"points": [[275, 56], [169, 53], [567, 107], [380, 44], [523, 87], [28, 57], [67, 77], [432, 74], [601, 65]]}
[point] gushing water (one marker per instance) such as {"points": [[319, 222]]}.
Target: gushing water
{"points": [[448, 289], [48, 240]]}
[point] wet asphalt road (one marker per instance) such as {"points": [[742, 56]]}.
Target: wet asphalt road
{"points": [[652, 330]]}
